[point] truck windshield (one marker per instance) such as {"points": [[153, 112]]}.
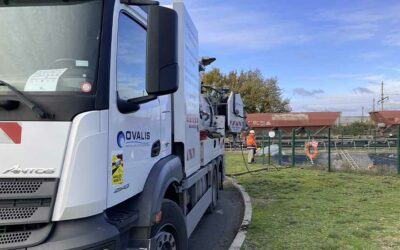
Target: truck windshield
{"points": [[50, 46]]}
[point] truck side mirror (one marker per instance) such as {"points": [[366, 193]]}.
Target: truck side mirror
{"points": [[162, 51]]}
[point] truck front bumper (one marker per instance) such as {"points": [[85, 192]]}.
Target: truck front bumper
{"points": [[93, 233]]}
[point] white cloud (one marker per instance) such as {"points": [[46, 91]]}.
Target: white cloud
{"points": [[373, 78], [392, 39], [352, 102], [349, 77], [371, 55], [238, 26], [305, 92], [362, 90], [394, 69], [364, 22], [344, 75]]}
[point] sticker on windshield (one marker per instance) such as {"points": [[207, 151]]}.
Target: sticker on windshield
{"points": [[86, 87], [81, 63], [44, 80]]}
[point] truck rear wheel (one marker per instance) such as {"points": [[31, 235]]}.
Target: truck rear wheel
{"points": [[214, 189], [171, 232]]}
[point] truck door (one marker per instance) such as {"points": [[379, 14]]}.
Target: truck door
{"points": [[134, 135]]}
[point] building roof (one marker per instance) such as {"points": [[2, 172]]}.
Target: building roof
{"points": [[292, 120], [390, 117]]}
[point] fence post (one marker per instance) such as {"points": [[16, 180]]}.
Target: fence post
{"points": [[263, 146], [293, 148], [398, 149], [329, 149], [342, 138], [280, 147], [375, 140], [269, 150]]}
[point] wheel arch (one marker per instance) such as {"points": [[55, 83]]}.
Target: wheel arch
{"points": [[163, 179], [171, 193]]}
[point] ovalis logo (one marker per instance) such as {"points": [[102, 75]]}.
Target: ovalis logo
{"points": [[130, 138], [121, 139]]}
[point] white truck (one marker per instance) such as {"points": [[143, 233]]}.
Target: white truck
{"points": [[102, 141]]}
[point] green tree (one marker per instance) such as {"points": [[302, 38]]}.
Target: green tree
{"points": [[354, 129], [259, 94]]}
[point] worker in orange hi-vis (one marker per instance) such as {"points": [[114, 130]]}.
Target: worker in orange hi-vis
{"points": [[251, 146]]}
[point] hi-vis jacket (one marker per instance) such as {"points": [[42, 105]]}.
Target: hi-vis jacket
{"points": [[251, 141]]}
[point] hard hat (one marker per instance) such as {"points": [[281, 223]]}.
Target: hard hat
{"points": [[252, 132]]}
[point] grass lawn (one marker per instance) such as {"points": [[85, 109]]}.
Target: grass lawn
{"points": [[297, 208]]}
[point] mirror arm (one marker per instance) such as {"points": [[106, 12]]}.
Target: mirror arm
{"points": [[133, 105], [143, 99], [125, 107]]}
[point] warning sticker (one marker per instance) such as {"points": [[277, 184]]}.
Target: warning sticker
{"points": [[117, 169]]}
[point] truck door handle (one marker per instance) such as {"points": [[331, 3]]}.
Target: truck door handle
{"points": [[156, 148]]}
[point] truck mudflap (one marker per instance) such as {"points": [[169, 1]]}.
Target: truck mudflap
{"points": [[93, 233]]}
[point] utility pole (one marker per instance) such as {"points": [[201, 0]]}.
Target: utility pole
{"points": [[373, 105], [383, 97], [362, 114]]}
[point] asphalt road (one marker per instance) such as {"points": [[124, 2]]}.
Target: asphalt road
{"points": [[216, 231]]}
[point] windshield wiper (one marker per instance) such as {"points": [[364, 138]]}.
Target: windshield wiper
{"points": [[25, 100]]}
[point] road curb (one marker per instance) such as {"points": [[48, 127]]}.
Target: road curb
{"points": [[241, 235]]}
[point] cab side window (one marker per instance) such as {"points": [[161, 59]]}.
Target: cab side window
{"points": [[131, 59]]}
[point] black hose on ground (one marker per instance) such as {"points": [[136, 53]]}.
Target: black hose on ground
{"points": [[244, 159], [249, 171]]}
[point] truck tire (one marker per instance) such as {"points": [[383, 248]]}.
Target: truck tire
{"points": [[214, 189], [171, 232]]}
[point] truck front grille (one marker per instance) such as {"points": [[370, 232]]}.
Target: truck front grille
{"points": [[10, 238], [16, 236], [11, 186], [26, 206], [17, 213]]}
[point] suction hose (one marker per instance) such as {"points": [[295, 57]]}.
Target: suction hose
{"points": [[244, 159]]}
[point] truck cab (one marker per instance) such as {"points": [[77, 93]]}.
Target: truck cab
{"points": [[100, 143]]}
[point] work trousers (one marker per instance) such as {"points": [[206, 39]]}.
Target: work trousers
{"points": [[250, 156]]}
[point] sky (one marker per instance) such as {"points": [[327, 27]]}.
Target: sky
{"points": [[327, 55]]}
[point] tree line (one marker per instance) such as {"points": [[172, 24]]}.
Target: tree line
{"points": [[259, 94], [354, 129]]}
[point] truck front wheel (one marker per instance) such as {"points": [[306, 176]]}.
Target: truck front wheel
{"points": [[171, 232]]}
